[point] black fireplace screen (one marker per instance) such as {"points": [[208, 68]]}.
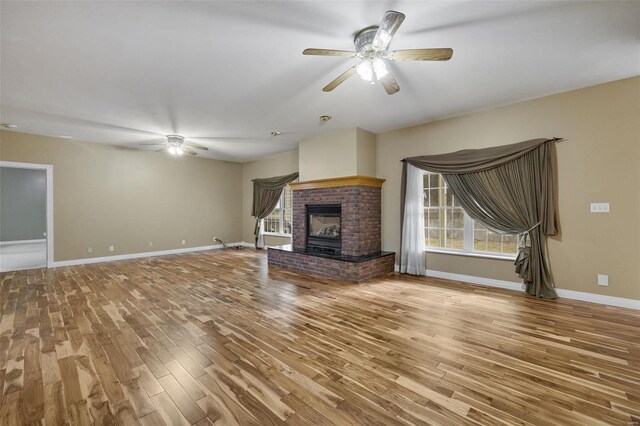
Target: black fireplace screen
{"points": [[323, 226]]}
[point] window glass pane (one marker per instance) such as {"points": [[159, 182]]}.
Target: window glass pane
{"points": [[509, 244], [494, 242], [272, 222], [487, 241], [455, 239], [434, 197], [433, 238], [435, 180], [444, 218], [444, 221], [449, 197], [480, 239], [433, 219], [457, 218], [280, 219]]}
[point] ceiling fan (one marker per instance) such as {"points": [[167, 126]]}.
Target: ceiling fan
{"points": [[176, 146], [372, 46]]}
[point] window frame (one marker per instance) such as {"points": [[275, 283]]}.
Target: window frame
{"points": [[280, 218], [468, 241]]}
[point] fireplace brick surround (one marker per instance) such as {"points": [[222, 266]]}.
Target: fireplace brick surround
{"points": [[361, 257], [360, 216]]}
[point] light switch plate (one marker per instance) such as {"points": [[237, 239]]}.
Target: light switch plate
{"points": [[603, 280], [599, 207], [111, 248]]}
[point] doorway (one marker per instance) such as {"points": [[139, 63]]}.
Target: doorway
{"points": [[26, 216]]}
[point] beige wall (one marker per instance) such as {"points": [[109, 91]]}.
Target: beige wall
{"points": [[347, 152], [106, 195], [365, 153], [598, 162], [275, 165], [329, 155]]}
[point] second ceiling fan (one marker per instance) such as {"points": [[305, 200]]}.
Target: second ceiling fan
{"points": [[176, 146], [372, 46]]}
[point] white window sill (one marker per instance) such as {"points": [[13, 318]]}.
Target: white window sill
{"points": [[466, 253], [277, 234]]}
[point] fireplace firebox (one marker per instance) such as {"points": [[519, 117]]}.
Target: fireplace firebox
{"points": [[324, 232]]}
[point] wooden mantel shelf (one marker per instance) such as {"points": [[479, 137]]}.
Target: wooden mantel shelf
{"points": [[336, 182]]}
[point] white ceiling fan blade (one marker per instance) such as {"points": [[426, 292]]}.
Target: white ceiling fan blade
{"points": [[329, 52], [196, 146], [189, 151], [390, 23], [421, 55], [341, 79], [225, 138], [390, 84], [162, 149]]}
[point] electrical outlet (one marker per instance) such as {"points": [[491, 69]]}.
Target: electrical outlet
{"points": [[599, 207], [150, 243], [183, 242], [89, 249], [111, 248], [603, 280]]}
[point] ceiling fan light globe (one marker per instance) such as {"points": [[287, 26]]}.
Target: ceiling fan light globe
{"points": [[179, 151], [172, 150], [365, 70], [379, 68]]}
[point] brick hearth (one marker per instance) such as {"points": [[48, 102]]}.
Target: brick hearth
{"points": [[355, 272]]}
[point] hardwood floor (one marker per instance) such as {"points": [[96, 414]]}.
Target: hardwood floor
{"points": [[217, 338]]}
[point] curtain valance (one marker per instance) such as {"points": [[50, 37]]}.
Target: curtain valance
{"points": [[475, 160]]}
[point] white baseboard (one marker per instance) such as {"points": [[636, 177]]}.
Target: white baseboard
{"points": [[620, 302], [509, 285], [7, 243], [89, 260], [489, 282]]}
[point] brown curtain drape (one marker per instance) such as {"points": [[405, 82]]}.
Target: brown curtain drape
{"points": [[509, 189], [266, 193]]}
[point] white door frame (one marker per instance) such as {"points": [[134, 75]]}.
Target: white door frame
{"points": [[49, 183]]}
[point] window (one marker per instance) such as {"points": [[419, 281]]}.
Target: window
{"points": [[280, 219], [449, 228]]}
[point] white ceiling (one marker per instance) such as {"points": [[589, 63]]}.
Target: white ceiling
{"points": [[121, 72]]}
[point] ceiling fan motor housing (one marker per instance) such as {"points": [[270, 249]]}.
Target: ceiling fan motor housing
{"points": [[364, 38], [175, 140]]}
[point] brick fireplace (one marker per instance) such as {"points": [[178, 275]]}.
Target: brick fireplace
{"points": [[352, 226]]}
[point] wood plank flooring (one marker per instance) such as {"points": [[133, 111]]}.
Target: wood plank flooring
{"points": [[218, 338]]}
